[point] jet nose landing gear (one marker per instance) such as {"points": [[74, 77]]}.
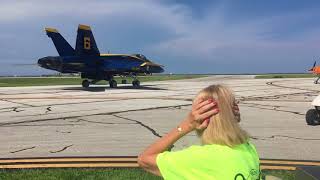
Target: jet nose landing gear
{"points": [[85, 83]]}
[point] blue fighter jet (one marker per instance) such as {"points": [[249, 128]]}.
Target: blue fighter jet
{"points": [[93, 66]]}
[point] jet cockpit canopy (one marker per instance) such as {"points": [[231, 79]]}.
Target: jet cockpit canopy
{"points": [[142, 57]]}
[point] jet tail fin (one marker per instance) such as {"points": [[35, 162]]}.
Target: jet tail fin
{"points": [[314, 65], [62, 46], [86, 45]]}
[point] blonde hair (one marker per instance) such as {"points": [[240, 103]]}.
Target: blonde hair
{"points": [[223, 127]]}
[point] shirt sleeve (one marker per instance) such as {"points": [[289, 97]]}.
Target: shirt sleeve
{"points": [[174, 165]]}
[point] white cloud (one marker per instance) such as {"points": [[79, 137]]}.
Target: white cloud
{"points": [[213, 37], [152, 11]]}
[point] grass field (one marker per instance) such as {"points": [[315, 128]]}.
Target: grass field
{"points": [[109, 173], [45, 81], [271, 76]]}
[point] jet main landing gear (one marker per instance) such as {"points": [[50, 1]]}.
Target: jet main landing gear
{"points": [[86, 83], [136, 83], [317, 80], [113, 83]]}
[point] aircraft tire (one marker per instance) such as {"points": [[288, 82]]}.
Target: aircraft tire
{"points": [[85, 83], [136, 83], [313, 117], [113, 84]]}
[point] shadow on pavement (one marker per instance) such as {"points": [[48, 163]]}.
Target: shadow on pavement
{"points": [[101, 89]]}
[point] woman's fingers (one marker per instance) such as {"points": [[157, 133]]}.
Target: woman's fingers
{"points": [[203, 125], [202, 103], [203, 110], [197, 101], [208, 114], [207, 107]]}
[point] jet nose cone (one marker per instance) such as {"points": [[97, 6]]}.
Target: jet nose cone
{"points": [[161, 70], [156, 69]]}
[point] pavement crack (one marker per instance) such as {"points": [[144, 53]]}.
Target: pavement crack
{"points": [[277, 97], [140, 123], [75, 121], [63, 132], [24, 149], [273, 108], [17, 103], [94, 114], [281, 86], [38, 125], [48, 109], [64, 148], [96, 122], [15, 109]]}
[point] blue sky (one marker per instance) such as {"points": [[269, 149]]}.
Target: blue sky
{"points": [[186, 36]]}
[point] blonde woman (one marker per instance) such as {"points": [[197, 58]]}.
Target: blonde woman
{"points": [[225, 153]]}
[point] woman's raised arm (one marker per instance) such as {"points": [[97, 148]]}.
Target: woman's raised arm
{"points": [[198, 118]]}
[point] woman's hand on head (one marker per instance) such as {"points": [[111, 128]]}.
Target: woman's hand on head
{"points": [[202, 111]]}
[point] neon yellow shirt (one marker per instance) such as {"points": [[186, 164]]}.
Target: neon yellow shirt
{"points": [[211, 162]]}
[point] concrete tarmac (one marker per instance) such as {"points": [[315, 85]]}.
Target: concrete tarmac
{"points": [[51, 121]]}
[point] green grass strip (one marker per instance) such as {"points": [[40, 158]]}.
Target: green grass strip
{"points": [[103, 173], [272, 76]]}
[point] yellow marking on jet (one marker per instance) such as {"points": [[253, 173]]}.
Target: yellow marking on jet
{"points": [[122, 55], [51, 30], [149, 64], [84, 27], [86, 43], [145, 63]]}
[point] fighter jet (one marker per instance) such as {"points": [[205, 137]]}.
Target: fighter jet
{"points": [[93, 66], [316, 71]]}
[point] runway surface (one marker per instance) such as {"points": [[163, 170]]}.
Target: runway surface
{"points": [[55, 121]]}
